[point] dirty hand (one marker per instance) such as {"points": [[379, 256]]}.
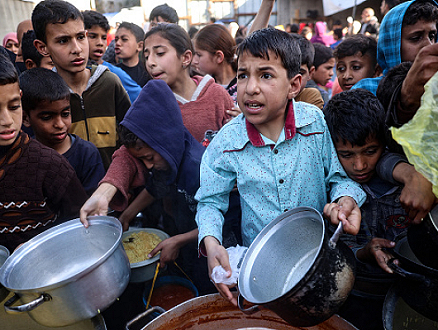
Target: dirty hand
{"points": [[347, 211], [95, 205], [234, 112], [169, 250], [375, 250], [218, 255]]}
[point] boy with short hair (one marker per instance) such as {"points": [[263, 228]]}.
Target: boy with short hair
{"points": [[97, 27], [31, 57], [356, 120], [38, 187], [356, 59], [324, 63], [406, 29], [98, 100], [162, 14], [128, 47], [46, 105], [279, 153]]}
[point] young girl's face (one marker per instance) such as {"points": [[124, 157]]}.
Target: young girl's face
{"points": [[126, 46], [204, 61], [162, 60]]}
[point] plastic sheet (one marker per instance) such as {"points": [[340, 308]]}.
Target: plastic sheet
{"points": [[235, 254], [419, 136]]}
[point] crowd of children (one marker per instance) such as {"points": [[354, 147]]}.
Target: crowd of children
{"points": [[210, 139]]}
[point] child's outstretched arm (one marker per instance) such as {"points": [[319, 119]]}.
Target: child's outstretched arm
{"points": [[345, 210], [376, 251], [262, 18], [218, 255], [98, 203]]}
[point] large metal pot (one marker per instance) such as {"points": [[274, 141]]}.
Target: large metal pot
{"points": [[68, 273], [214, 312], [4, 254], [294, 269], [423, 239], [417, 283]]}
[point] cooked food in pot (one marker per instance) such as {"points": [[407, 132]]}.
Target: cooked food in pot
{"points": [[139, 244]]}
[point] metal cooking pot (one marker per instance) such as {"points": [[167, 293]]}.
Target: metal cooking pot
{"points": [[214, 312], [417, 283], [68, 273], [397, 315], [4, 254], [423, 239], [294, 269]]}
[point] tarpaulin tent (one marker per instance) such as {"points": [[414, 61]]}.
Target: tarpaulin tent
{"points": [[334, 6]]}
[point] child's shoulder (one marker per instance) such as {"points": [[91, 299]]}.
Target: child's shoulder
{"points": [[233, 135]]}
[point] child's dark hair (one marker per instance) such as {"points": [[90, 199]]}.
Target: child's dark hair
{"points": [[28, 49], [420, 11], [354, 116], [322, 54], [175, 34], [393, 78], [338, 33], [358, 43], [392, 3], [214, 37], [8, 73], [39, 85], [134, 28], [127, 138], [166, 12], [307, 50], [52, 12], [279, 43], [93, 18]]}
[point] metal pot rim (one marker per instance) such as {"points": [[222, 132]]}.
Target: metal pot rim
{"points": [[62, 228]]}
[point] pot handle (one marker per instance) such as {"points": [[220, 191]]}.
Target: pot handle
{"points": [[404, 273], [139, 317], [336, 235], [248, 311], [26, 307]]}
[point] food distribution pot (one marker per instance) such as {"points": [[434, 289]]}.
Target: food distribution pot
{"points": [[423, 239], [417, 283], [68, 273], [296, 270], [214, 312]]}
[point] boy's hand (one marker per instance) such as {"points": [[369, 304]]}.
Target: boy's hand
{"points": [[98, 203], [375, 250], [218, 255], [169, 250], [347, 211], [234, 112]]}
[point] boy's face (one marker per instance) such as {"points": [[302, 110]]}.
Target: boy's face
{"points": [[150, 158], [67, 45], [264, 89], [305, 73], [324, 72], [97, 43], [414, 37], [351, 69], [11, 115], [50, 121], [155, 21], [359, 161], [126, 46]]}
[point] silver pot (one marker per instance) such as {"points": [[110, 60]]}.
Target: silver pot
{"points": [[144, 270], [68, 273], [295, 269]]}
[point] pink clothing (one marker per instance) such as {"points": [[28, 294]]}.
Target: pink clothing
{"points": [[126, 172], [320, 35], [207, 108], [10, 36]]}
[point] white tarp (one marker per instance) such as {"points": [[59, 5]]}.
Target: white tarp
{"points": [[334, 6]]}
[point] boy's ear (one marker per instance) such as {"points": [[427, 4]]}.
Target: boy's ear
{"points": [[377, 71], [140, 46], [311, 70], [219, 56], [26, 119], [30, 64], [295, 86], [186, 58], [41, 47]]}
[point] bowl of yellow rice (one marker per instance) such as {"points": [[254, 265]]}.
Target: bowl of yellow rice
{"points": [[138, 243]]}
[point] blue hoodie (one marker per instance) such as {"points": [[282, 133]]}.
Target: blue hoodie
{"points": [[389, 44], [155, 118]]}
